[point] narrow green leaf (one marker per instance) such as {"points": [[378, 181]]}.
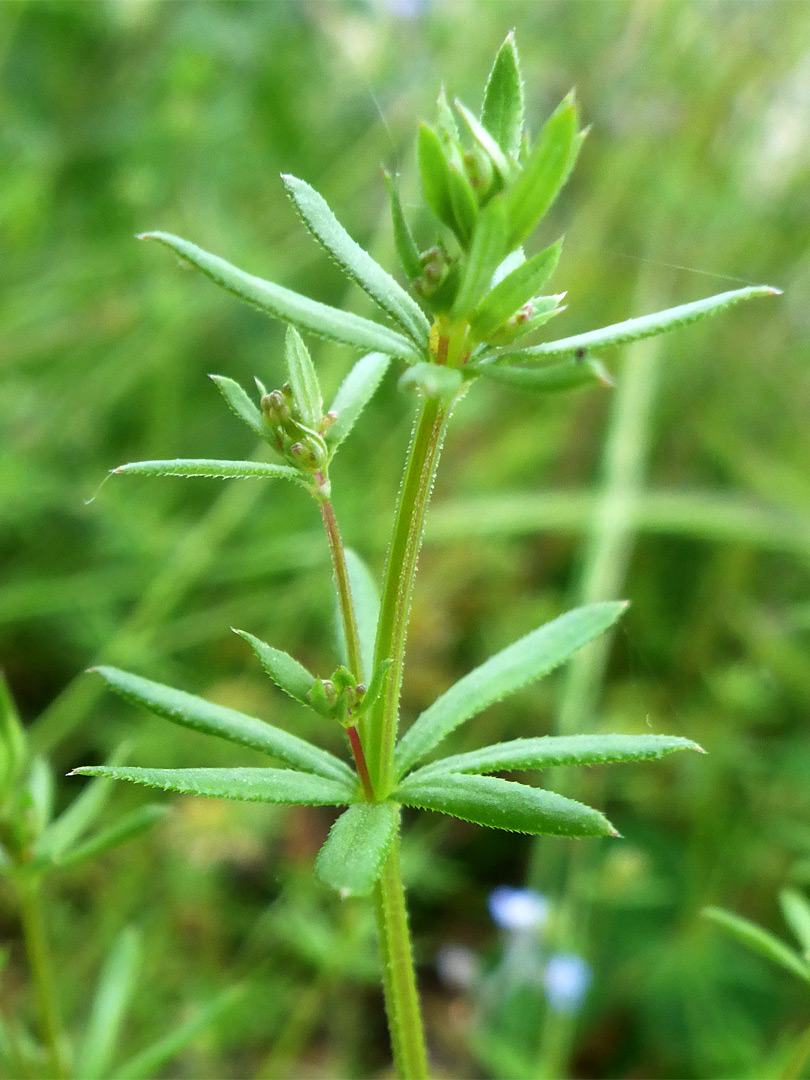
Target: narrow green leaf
{"points": [[486, 254], [201, 715], [465, 204], [503, 108], [760, 941], [516, 289], [243, 785], [352, 858], [154, 1057], [433, 172], [404, 242], [448, 128], [80, 816], [125, 829], [521, 663], [544, 172], [241, 404], [433, 380], [366, 600], [303, 379], [543, 308], [226, 470], [485, 141], [113, 996], [796, 911], [356, 262], [554, 750], [503, 804], [355, 392], [280, 303], [635, 329], [567, 375], [285, 671]]}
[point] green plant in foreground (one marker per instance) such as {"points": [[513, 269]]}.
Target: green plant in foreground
{"points": [[474, 301]]}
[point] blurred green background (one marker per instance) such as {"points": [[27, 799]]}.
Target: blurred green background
{"points": [[116, 117]]}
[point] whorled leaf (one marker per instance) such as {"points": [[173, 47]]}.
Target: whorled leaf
{"points": [[463, 201], [241, 404], [303, 379], [352, 858], [502, 113], [515, 290], [211, 467], [432, 380], [366, 601], [485, 141], [280, 303], [503, 804], [433, 173], [407, 251], [356, 262], [285, 671], [521, 663], [354, 394], [287, 786], [549, 379], [201, 715], [486, 254], [635, 329], [552, 750]]}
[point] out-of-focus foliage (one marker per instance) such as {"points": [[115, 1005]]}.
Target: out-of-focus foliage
{"points": [[120, 117]]}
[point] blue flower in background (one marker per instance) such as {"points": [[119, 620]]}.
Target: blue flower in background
{"points": [[566, 980], [518, 909]]}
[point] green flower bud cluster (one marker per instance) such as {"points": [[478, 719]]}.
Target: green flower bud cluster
{"points": [[344, 699], [300, 445]]}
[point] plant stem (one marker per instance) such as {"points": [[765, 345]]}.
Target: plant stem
{"points": [[350, 634], [399, 980], [39, 962], [423, 459]]}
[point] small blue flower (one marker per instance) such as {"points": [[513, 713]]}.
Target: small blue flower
{"points": [[518, 909], [566, 981]]}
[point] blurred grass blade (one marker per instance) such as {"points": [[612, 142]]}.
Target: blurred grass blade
{"points": [[285, 786], [525, 660], [553, 750], [356, 262], [567, 375], [241, 404], [489, 145], [201, 715], [353, 855], [285, 671], [280, 303], [513, 291], [502, 113], [303, 379], [154, 1057], [125, 829], [113, 995], [545, 171], [224, 470], [760, 941], [80, 815], [354, 393], [486, 254], [366, 601], [433, 172], [503, 804], [635, 329], [796, 911], [404, 242]]}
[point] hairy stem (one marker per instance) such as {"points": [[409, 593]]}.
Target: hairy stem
{"points": [[400, 572], [350, 634], [399, 980], [39, 961]]}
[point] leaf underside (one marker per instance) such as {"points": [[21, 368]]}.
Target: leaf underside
{"points": [[211, 467], [352, 858], [286, 786], [503, 804]]}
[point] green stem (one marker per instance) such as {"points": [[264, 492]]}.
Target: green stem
{"points": [[403, 554], [350, 634], [399, 979], [39, 961]]}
